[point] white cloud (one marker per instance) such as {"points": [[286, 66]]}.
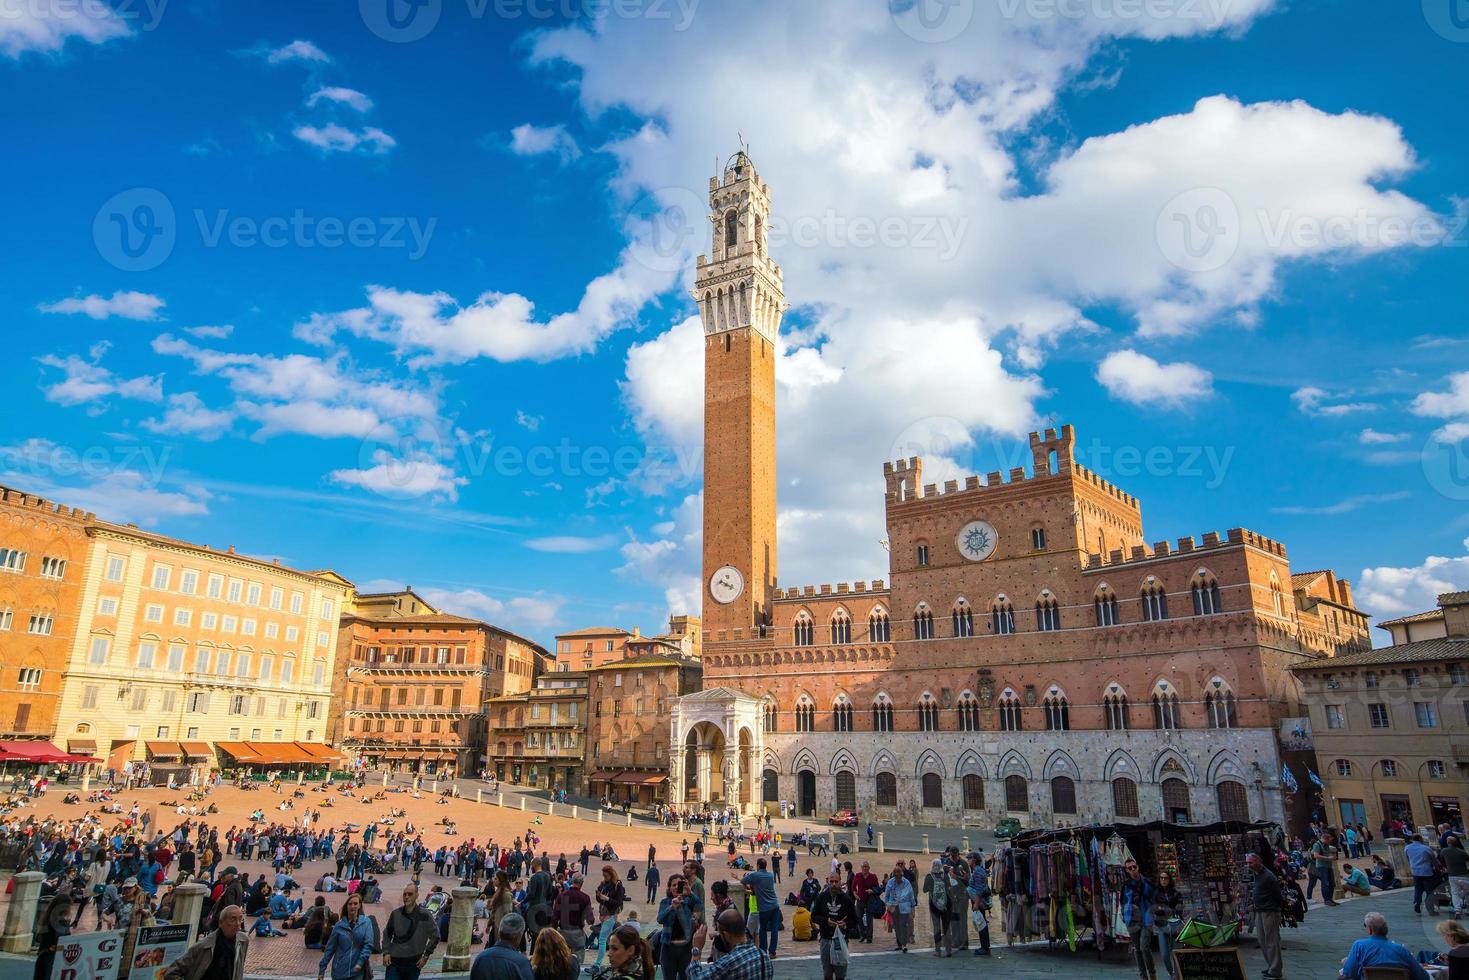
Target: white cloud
{"points": [[519, 614], [572, 544], [1445, 404], [187, 415], [96, 483], [1371, 437], [324, 397], [1137, 378], [220, 332], [1343, 506], [86, 382], [526, 420], [349, 97], [406, 476], [126, 304], [332, 138], [529, 140], [671, 559], [432, 328], [1311, 400], [297, 50], [45, 25], [1387, 591]]}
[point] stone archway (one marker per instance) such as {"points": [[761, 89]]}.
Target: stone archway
{"points": [[720, 759], [704, 757]]}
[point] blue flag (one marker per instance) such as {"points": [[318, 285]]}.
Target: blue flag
{"points": [[1288, 779], [1311, 775]]}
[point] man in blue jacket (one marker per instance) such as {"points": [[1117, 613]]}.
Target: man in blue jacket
{"points": [[1377, 950], [504, 960]]}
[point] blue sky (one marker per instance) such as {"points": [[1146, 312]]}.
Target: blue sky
{"points": [[404, 295]]}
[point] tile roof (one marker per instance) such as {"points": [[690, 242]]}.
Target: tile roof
{"points": [[1422, 651], [597, 631], [1453, 598], [1422, 617]]}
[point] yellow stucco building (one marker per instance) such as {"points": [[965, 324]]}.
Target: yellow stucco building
{"points": [[192, 657]]}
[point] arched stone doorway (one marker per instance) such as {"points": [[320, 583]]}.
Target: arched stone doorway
{"points": [[806, 793], [720, 735], [704, 763]]}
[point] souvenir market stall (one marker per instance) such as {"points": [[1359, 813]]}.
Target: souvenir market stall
{"points": [[1066, 885]]}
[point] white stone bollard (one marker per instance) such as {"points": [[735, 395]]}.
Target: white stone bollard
{"points": [[461, 930], [925, 843], [599, 814], [522, 803], [479, 796], [500, 798], [573, 811], [21, 915], [629, 818], [880, 843], [966, 844], [188, 906], [385, 777], [856, 841], [550, 808]]}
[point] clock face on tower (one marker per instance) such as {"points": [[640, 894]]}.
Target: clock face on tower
{"points": [[726, 584], [977, 540]]}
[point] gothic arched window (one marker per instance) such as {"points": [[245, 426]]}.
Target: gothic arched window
{"points": [[805, 715], [1165, 708], [928, 714], [1047, 613], [963, 619], [923, 623], [1106, 607], [1219, 708], [1154, 601], [804, 630], [1010, 716], [1058, 711], [882, 714], [1205, 592], [841, 714], [1002, 617], [841, 628], [731, 229], [879, 629], [968, 713], [1114, 707]]}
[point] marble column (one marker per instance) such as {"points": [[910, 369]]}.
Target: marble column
{"points": [[188, 906]]}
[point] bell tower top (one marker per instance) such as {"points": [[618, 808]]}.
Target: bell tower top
{"points": [[737, 284]]}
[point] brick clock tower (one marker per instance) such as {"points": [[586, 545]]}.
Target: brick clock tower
{"points": [[740, 296]]}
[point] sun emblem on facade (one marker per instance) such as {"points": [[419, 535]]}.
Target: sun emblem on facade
{"points": [[977, 540]]}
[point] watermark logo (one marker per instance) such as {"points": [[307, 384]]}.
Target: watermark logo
{"points": [[1445, 460], [1199, 230], [400, 21], [932, 21], [1448, 18], [135, 230]]}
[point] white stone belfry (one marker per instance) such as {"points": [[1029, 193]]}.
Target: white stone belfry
{"points": [[718, 742]]}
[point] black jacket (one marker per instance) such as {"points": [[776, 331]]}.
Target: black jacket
{"points": [[831, 906], [1266, 891]]}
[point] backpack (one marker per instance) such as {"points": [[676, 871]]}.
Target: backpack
{"points": [[939, 894]]}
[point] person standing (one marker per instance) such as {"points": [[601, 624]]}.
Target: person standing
{"points": [[1167, 918], [833, 913], [409, 937], [1323, 866], [761, 883], [900, 900], [744, 961], [1455, 861], [652, 878], [1137, 912], [348, 949], [504, 960], [53, 926], [980, 901], [676, 914], [539, 893], [219, 954], [1265, 895], [940, 907], [1423, 865], [571, 913], [865, 888]]}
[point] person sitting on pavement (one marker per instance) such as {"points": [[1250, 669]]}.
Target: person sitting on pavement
{"points": [[1375, 949], [1354, 881], [1383, 877]]}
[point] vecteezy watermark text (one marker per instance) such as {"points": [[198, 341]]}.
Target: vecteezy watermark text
{"points": [[43, 459], [144, 14], [137, 230], [404, 21]]}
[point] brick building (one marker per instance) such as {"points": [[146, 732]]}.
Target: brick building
{"points": [[539, 738], [1029, 653], [594, 646], [43, 550], [1391, 726], [412, 682], [632, 704]]}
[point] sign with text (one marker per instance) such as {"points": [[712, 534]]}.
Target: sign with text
{"points": [[156, 949], [88, 956], [1219, 963]]}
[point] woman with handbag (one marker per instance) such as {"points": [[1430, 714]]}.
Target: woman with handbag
{"points": [[898, 897], [1167, 919]]}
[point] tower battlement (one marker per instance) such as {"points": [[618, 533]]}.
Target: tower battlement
{"points": [[1187, 545]]}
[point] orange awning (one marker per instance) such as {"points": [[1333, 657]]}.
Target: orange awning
{"points": [[196, 750], [319, 752], [164, 750], [239, 751], [81, 746], [278, 753]]}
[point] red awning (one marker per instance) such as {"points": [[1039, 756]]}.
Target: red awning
{"points": [[602, 777], [37, 752], [640, 779]]}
